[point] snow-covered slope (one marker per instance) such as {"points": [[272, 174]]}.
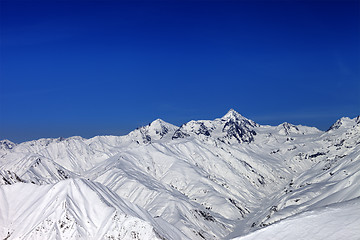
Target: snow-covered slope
{"points": [[208, 179], [332, 178], [74, 209], [333, 222]]}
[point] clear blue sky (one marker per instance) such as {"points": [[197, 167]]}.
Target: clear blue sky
{"points": [[106, 67]]}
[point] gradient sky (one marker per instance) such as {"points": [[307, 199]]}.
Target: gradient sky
{"points": [[106, 67]]}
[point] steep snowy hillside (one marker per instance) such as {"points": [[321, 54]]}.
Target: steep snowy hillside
{"points": [[208, 179], [333, 178], [74, 209]]}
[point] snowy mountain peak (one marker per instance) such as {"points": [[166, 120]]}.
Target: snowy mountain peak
{"points": [[344, 122], [231, 128], [288, 128], [336, 125], [6, 144], [153, 131], [234, 115], [158, 123], [194, 127], [160, 127]]}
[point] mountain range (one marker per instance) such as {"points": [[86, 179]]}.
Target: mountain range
{"points": [[207, 179]]}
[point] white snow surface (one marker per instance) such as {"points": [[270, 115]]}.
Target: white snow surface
{"points": [[207, 179], [333, 222], [73, 209]]}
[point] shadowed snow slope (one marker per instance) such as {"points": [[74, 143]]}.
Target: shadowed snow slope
{"points": [[207, 179]]}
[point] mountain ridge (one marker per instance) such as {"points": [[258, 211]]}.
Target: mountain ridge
{"points": [[231, 114], [215, 175]]}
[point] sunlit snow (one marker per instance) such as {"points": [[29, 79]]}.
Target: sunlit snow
{"points": [[206, 179]]}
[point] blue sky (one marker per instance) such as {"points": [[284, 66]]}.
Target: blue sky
{"points": [[106, 67]]}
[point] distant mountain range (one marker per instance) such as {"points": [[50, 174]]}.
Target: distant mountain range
{"points": [[207, 179]]}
